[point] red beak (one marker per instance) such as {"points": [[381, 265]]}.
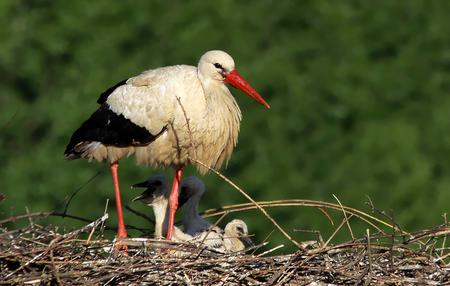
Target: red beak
{"points": [[237, 81]]}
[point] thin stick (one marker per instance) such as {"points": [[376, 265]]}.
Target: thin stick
{"points": [[252, 200], [445, 236], [144, 216], [442, 258], [29, 218], [383, 213], [369, 251], [41, 214], [316, 232], [105, 211], [263, 242], [66, 207], [327, 215], [346, 219], [335, 232], [188, 127], [270, 250], [55, 269], [209, 231]]}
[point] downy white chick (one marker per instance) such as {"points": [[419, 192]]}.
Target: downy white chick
{"points": [[236, 236]]}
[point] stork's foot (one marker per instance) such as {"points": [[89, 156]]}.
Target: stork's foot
{"points": [[118, 246]]}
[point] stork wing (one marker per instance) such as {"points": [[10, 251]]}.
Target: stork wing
{"points": [[149, 100], [110, 129], [136, 111]]}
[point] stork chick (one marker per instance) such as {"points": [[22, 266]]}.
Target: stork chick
{"points": [[157, 196], [236, 236]]}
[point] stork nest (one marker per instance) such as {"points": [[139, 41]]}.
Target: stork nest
{"points": [[37, 255]]}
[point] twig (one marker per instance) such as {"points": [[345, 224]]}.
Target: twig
{"points": [[144, 216], [191, 138], [345, 215], [326, 215], [19, 217], [369, 251], [445, 236], [102, 226], [316, 232], [264, 241], [29, 217], [43, 215], [251, 200], [270, 250], [66, 207], [55, 269], [344, 220], [383, 213], [207, 233]]}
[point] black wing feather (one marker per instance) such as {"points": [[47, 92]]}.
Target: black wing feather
{"points": [[104, 96], [110, 129]]}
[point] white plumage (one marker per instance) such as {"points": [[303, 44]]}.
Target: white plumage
{"points": [[236, 236]]}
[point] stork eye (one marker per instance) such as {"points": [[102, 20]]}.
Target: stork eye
{"points": [[240, 229], [219, 66]]}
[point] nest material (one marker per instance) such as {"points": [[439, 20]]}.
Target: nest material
{"points": [[38, 255]]}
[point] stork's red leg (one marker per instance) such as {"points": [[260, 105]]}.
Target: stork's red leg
{"points": [[173, 201], [121, 232]]}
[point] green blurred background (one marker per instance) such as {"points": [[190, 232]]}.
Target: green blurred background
{"points": [[359, 93]]}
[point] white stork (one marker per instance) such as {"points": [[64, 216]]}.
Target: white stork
{"points": [[163, 117]]}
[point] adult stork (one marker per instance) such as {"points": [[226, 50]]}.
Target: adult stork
{"points": [[164, 117]]}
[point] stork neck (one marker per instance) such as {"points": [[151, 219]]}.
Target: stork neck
{"points": [[161, 211], [193, 223], [192, 210]]}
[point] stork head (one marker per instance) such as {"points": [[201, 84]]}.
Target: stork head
{"points": [[238, 228], [155, 188], [191, 187], [219, 66]]}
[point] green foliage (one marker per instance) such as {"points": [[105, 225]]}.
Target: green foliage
{"points": [[359, 95]]}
